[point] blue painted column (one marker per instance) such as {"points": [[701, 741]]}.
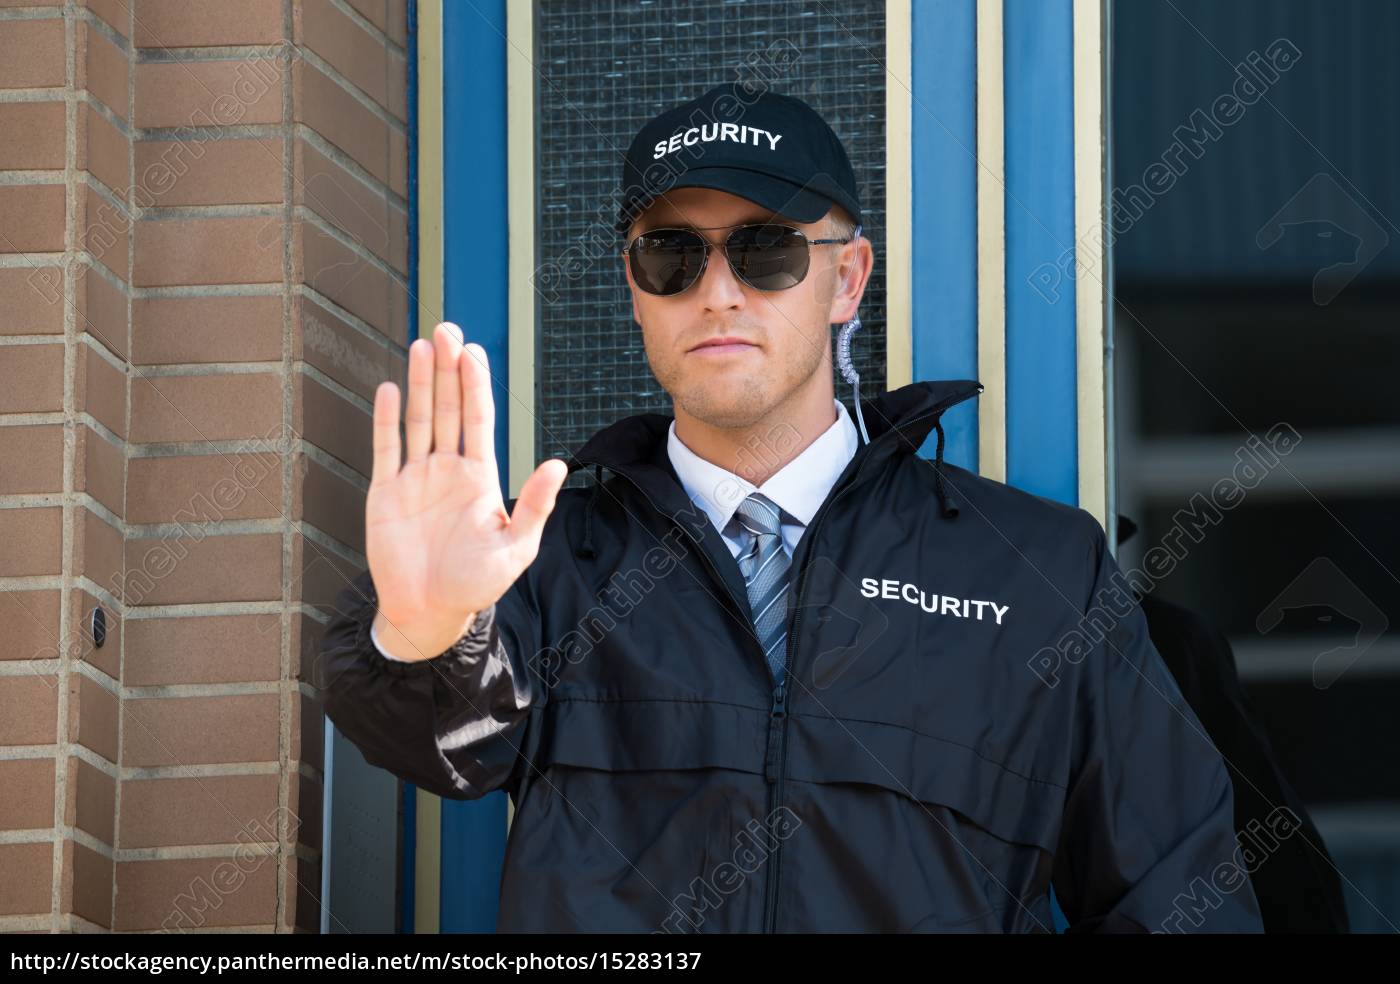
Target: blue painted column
{"points": [[1042, 390], [944, 238], [475, 274]]}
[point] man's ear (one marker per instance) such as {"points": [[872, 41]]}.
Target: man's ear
{"points": [[852, 274]]}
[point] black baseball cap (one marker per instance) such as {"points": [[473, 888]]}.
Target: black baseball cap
{"points": [[772, 149]]}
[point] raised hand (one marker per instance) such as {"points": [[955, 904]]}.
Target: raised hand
{"points": [[441, 546]]}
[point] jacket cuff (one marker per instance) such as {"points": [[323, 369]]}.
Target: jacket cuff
{"points": [[477, 641]]}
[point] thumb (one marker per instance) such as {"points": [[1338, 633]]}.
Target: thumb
{"points": [[535, 503]]}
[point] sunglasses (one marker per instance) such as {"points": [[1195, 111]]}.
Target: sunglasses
{"points": [[764, 255]]}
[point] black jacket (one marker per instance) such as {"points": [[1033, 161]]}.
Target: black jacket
{"points": [[954, 737]]}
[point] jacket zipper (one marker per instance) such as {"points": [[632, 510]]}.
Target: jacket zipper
{"points": [[776, 767], [776, 756]]}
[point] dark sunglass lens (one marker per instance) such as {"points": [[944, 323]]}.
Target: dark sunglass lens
{"points": [[769, 257], [667, 261]]}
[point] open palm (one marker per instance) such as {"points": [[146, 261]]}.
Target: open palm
{"points": [[440, 543]]}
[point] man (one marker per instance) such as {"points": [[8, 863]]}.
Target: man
{"points": [[772, 674]]}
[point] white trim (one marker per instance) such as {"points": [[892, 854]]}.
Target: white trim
{"points": [[899, 205], [991, 243], [520, 205], [1090, 240]]}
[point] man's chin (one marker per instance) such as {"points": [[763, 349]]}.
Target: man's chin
{"points": [[724, 412]]}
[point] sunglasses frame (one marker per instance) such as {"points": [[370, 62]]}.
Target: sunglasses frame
{"points": [[710, 247]]}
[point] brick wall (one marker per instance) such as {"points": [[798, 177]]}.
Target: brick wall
{"points": [[202, 279]]}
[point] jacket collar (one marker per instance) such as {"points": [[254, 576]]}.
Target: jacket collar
{"points": [[635, 447], [898, 421]]}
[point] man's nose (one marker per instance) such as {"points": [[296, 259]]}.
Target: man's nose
{"points": [[719, 289]]}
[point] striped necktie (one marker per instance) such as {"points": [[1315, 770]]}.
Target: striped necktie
{"points": [[765, 569]]}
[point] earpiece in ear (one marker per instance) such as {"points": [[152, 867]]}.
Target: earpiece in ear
{"points": [[848, 368], [843, 351]]}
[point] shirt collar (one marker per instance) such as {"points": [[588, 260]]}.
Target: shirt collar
{"points": [[798, 488]]}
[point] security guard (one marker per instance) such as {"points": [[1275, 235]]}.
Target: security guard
{"points": [[703, 680]]}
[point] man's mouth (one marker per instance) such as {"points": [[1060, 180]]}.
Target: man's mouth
{"points": [[724, 345]]}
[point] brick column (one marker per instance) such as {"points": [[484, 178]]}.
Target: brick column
{"points": [[202, 279]]}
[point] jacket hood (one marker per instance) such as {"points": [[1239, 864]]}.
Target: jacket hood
{"points": [[897, 420]]}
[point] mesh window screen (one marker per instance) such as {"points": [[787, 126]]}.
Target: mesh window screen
{"points": [[603, 68]]}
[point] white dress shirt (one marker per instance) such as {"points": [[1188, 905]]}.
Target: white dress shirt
{"points": [[797, 489]]}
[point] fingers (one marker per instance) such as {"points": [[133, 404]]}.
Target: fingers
{"points": [[534, 504], [478, 408], [418, 421], [386, 433], [447, 394]]}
